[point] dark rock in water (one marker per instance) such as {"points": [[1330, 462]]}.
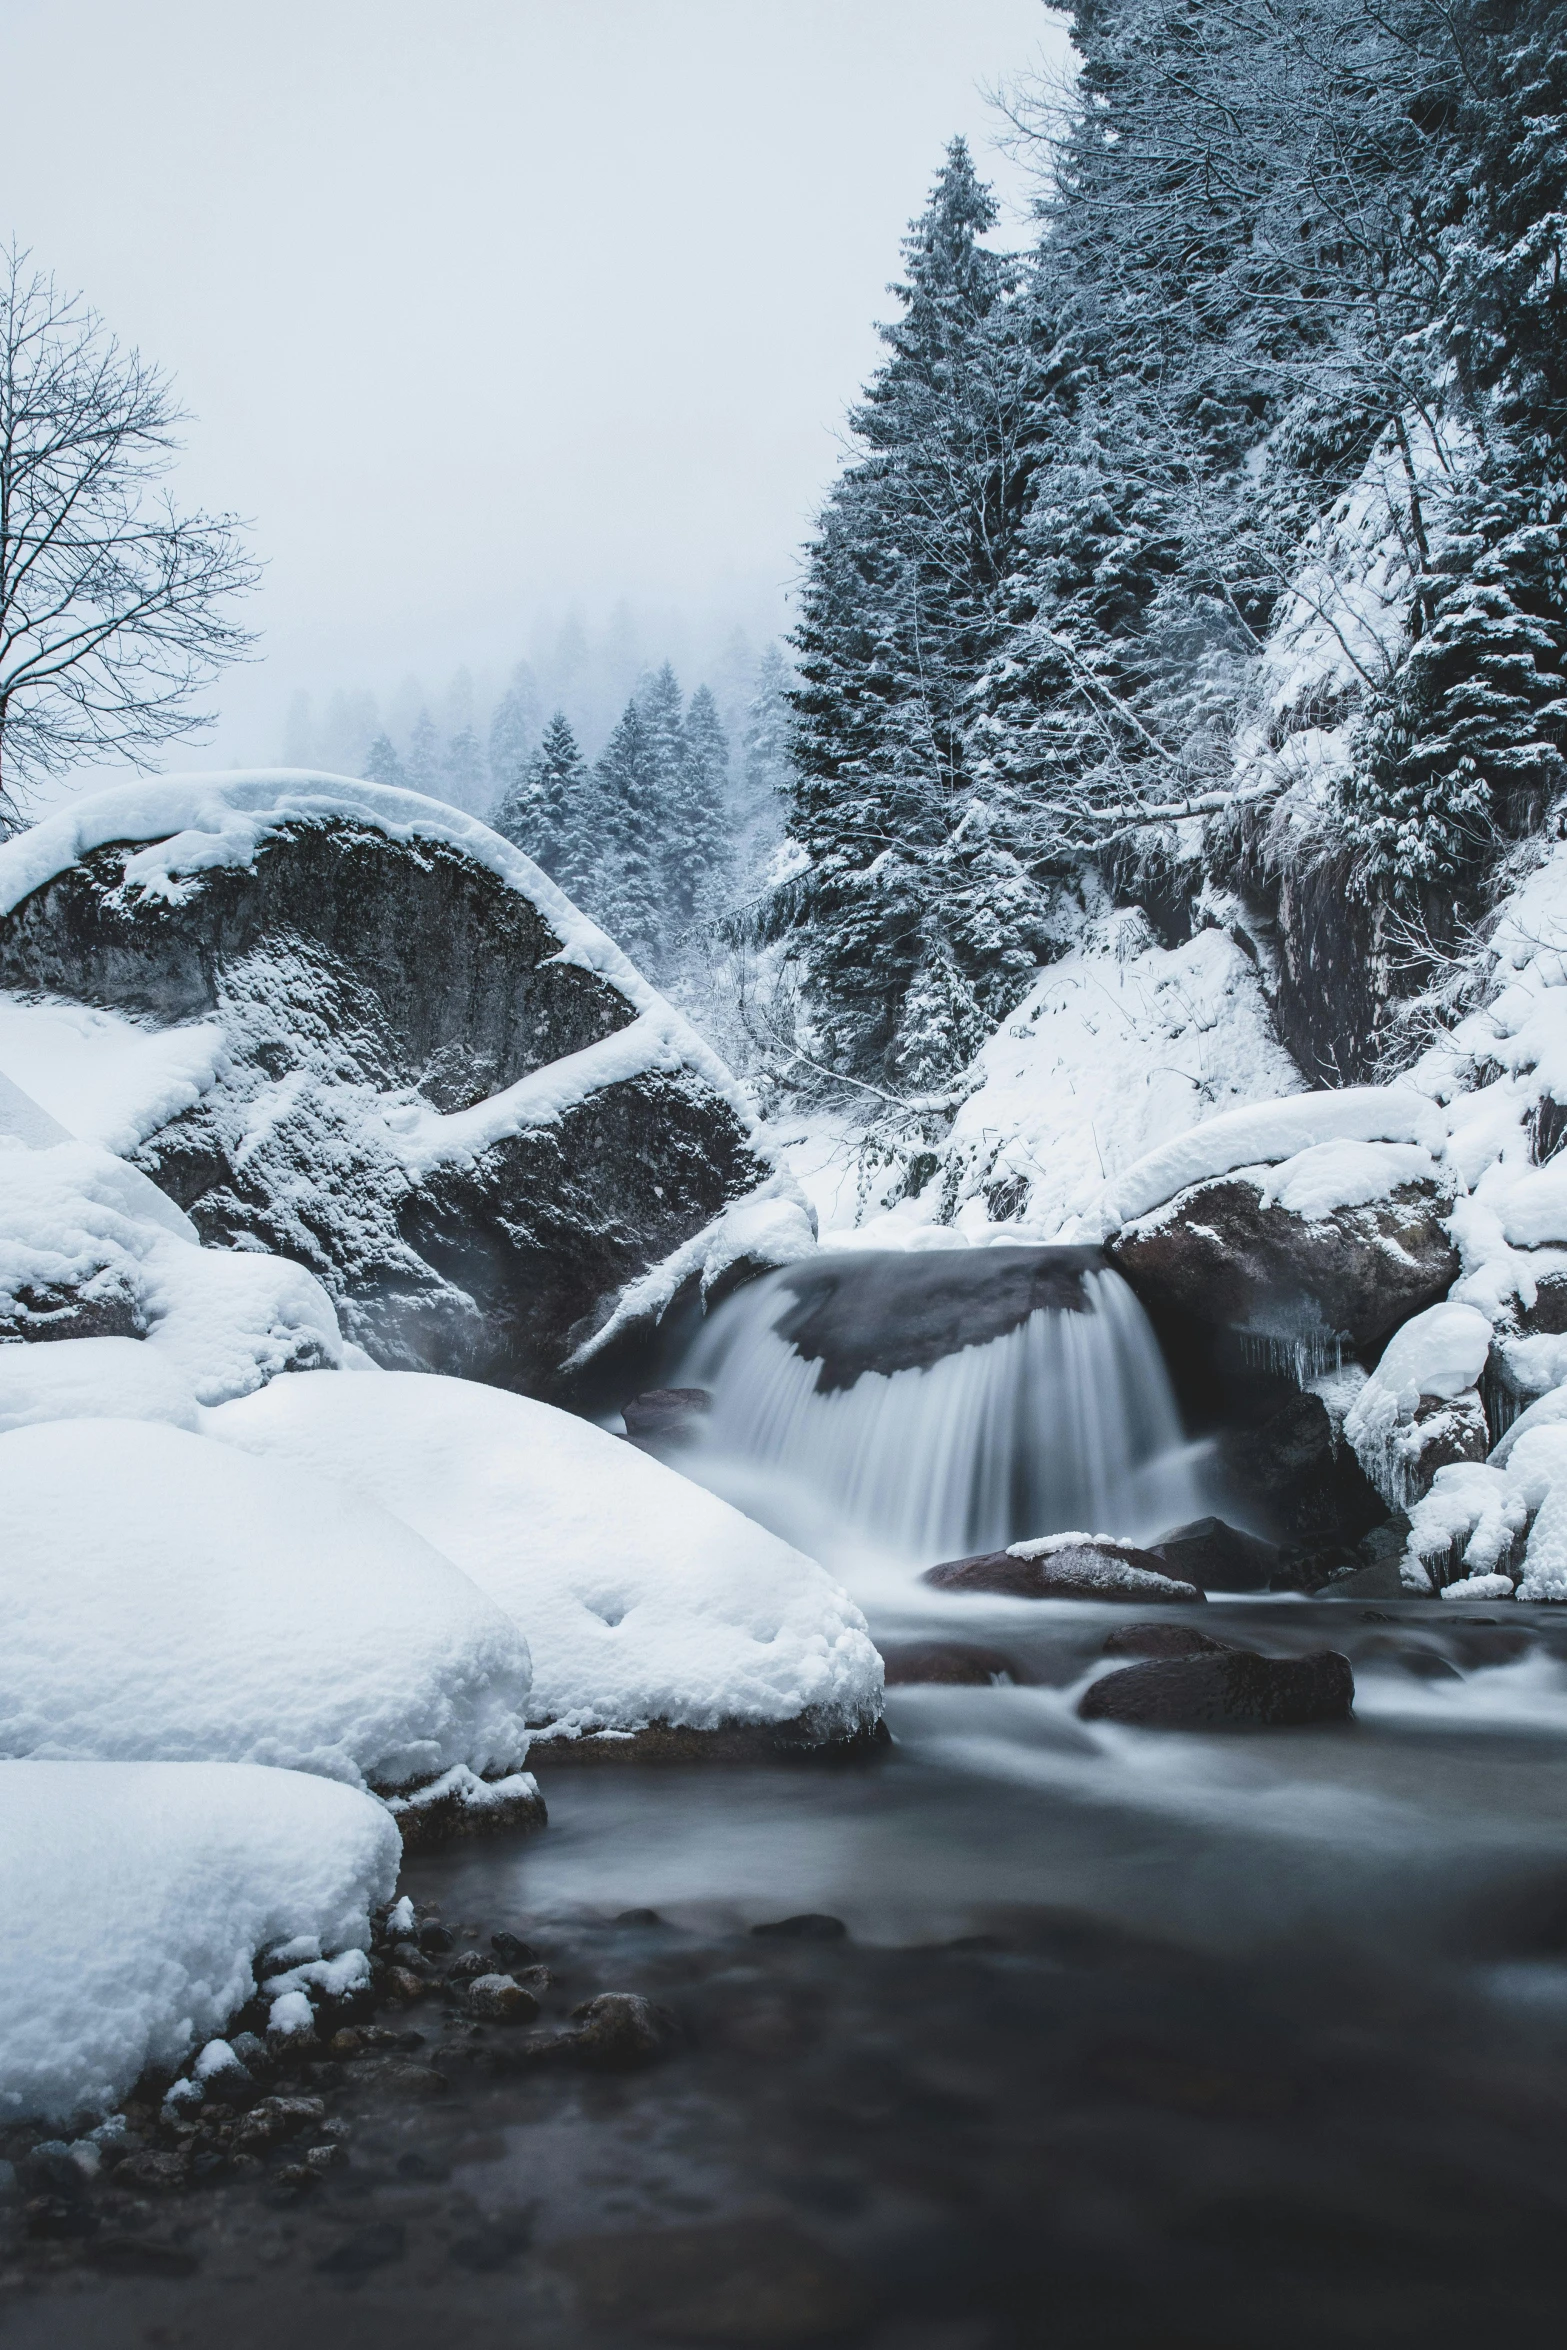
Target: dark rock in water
{"points": [[1423, 1664], [1216, 1556], [1074, 1570], [363, 983], [499, 1999], [951, 1664], [1164, 1640], [810, 1926], [1237, 1690], [665, 1417], [618, 2032], [1380, 1580], [512, 1950], [896, 1310], [1218, 1254], [1290, 1469]]}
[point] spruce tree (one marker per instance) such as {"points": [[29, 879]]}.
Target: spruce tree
{"points": [[462, 772], [382, 765], [627, 887], [424, 758], [705, 810], [514, 732]]}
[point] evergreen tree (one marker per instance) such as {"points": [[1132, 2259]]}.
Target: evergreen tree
{"points": [[549, 812], [514, 732], [627, 887], [462, 772], [424, 758], [382, 765], [704, 811], [905, 599]]}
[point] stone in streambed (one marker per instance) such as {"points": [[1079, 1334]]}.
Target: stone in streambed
{"points": [[948, 1664], [1164, 1640], [617, 2032], [1232, 1690], [1217, 1557], [499, 1999], [1065, 1566]]}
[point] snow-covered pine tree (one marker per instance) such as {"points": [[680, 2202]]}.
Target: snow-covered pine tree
{"points": [[382, 765], [424, 758], [462, 772], [550, 812], [705, 810], [626, 894], [905, 598], [514, 732]]}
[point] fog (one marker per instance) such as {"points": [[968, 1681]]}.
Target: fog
{"points": [[501, 313]]}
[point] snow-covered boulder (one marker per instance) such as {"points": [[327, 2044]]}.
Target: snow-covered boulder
{"points": [[90, 1248], [137, 1897], [93, 1379], [650, 1606], [356, 1027], [1420, 1410], [1310, 1222], [168, 1598]]}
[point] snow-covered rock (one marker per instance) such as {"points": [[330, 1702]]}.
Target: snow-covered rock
{"points": [[93, 1379], [138, 1895], [646, 1600], [90, 1248], [168, 1598], [1420, 1410], [355, 1026]]}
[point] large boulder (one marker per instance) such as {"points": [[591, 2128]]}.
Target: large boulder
{"points": [[1310, 1223], [1231, 1690], [407, 1062], [1065, 1566]]}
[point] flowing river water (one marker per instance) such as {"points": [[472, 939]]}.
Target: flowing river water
{"points": [[1120, 2037]]}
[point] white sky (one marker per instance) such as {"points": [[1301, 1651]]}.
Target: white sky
{"points": [[498, 305]]}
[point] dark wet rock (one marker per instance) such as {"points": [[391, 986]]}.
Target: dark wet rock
{"points": [[457, 1806], [1216, 1556], [889, 1310], [1163, 1640], [1380, 1580], [512, 1950], [949, 1664], [1215, 1253], [639, 1917], [435, 1939], [1236, 1690], [499, 1999], [275, 2120], [1075, 1570], [162, 2172], [617, 2032], [470, 1966], [1423, 1664], [343, 964], [809, 1926], [400, 1982], [665, 1417], [808, 1738], [751, 2282], [253, 2054], [390, 2079], [1291, 1470]]}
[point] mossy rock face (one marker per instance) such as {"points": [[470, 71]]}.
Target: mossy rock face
{"points": [[358, 979]]}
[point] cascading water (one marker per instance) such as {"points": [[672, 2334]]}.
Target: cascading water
{"points": [[948, 1401]]}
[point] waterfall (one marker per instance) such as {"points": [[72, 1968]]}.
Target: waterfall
{"points": [[950, 1401]]}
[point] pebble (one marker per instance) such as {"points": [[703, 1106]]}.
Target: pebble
{"points": [[498, 1999]]}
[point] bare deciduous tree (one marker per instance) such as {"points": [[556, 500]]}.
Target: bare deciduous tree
{"points": [[114, 605]]}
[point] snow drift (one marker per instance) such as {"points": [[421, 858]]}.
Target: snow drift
{"points": [[138, 1895], [645, 1599], [168, 1598]]}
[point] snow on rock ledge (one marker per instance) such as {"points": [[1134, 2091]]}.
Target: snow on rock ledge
{"points": [[356, 1027], [166, 1598], [1420, 1409], [650, 1605], [136, 1897]]}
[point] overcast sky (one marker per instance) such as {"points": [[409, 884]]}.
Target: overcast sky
{"points": [[498, 305]]}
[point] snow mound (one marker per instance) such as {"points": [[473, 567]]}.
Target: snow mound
{"points": [[1437, 1356], [89, 1246], [93, 1379], [645, 1598], [137, 1896], [166, 1598], [1269, 1132]]}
